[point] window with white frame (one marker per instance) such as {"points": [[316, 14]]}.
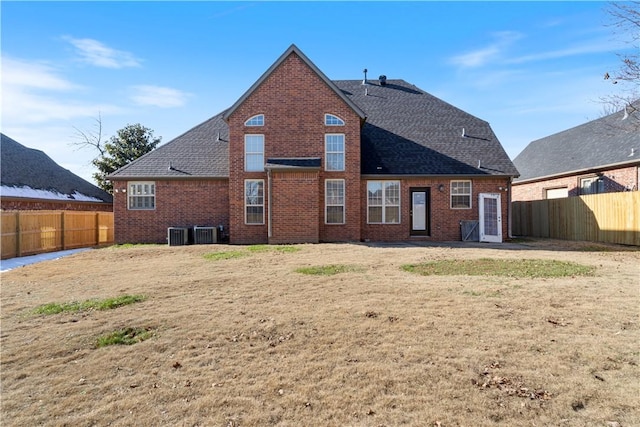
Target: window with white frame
{"points": [[254, 153], [257, 120], [254, 201], [142, 195], [334, 151], [460, 194], [591, 185], [331, 120], [383, 202], [334, 201]]}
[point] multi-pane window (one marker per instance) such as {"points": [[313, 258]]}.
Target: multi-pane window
{"points": [[331, 120], [142, 195], [334, 201], [254, 201], [254, 153], [255, 121], [334, 151], [460, 194], [383, 202]]}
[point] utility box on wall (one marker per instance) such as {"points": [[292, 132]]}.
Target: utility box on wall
{"points": [[177, 236], [205, 235]]}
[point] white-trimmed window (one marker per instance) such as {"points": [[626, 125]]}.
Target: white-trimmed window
{"points": [[383, 202], [331, 120], [334, 201], [460, 194], [254, 153], [334, 151], [142, 195], [257, 120], [591, 185], [254, 201]]}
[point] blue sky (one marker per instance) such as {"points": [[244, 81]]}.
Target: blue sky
{"points": [[530, 69]]}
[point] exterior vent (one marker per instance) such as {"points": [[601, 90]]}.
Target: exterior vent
{"points": [[205, 235], [177, 236], [383, 80]]}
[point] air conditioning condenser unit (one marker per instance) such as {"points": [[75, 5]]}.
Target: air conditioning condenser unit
{"points": [[178, 236], [205, 235]]}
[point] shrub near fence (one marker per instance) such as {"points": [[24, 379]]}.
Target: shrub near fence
{"points": [[609, 218], [33, 232]]}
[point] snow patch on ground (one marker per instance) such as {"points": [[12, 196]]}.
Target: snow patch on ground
{"points": [[10, 264], [34, 193]]}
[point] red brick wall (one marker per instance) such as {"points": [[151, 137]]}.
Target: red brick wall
{"points": [[615, 180], [18, 204], [178, 204], [445, 222], [294, 100], [294, 212]]}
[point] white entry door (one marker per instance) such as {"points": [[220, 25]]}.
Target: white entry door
{"points": [[490, 218]]}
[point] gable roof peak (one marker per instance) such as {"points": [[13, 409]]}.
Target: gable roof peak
{"points": [[293, 49]]}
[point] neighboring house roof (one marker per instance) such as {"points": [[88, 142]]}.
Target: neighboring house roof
{"points": [[607, 141], [30, 173], [407, 132]]}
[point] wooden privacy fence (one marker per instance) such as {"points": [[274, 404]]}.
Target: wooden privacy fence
{"points": [[610, 218], [33, 232]]}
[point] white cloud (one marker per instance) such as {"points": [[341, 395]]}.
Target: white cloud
{"points": [[477, 58], [20, 73], [592, 46], [100, 55], [158, 96]]}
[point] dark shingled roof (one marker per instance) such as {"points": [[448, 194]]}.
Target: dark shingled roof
{"points": [[410, 132], [293, 163], [202, 152], [407, 132], [605, 141], [27, 167]]}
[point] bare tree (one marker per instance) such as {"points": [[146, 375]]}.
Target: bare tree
{"points": [[625, 21], [91, 138]]}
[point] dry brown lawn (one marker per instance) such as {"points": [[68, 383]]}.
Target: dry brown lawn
{"points": [[249, 342]]}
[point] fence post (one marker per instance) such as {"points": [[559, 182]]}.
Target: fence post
{"points": [[18, 236], [63, 231]]}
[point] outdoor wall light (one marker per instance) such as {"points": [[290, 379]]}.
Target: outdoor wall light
{"points": [[441, 188]]}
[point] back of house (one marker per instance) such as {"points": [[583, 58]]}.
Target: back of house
{"points": [[299, 158]]}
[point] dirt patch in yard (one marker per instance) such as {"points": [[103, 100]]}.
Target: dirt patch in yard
{"points": [[248, 341]]}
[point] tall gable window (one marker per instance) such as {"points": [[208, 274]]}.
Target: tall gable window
{"points": [[334, 201], [460, 194], [142, 195], [334, 151], [383, 202], [254, 201], [331, 120], [254, 153], [257, 120]]}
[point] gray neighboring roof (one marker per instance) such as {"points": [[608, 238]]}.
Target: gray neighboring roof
{"points": [[606, 141], [26, 167], [202, 152], [293, 49], [410, 132]]}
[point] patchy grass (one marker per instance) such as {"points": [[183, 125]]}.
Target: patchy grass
{"points": [[92, 304], [273, 248], [329, 270], [219, 256], [126, 336], [523, 268]]}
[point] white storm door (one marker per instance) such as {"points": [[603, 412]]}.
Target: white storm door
{"points": [[490, 218]]}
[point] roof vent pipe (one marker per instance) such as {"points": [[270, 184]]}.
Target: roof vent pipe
{"points": [[383, 80], [364, 82]]}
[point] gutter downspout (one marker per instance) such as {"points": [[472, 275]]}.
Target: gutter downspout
{"points": [[269, 203], [509, 210]]}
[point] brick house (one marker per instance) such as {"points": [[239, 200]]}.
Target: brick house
{"points": [[31, 180], [600, 156], [300, 158]]}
